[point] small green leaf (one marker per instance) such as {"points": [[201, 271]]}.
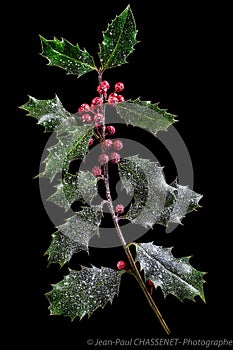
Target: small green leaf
{"points": [[118, 40], [49, 113], [154, 201], [82, 292], [80, 187], [172, 275], [62, 248], [63, 54], [72, 145], [146, 115]]}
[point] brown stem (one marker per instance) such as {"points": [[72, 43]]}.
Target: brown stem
{"points": [[99, 77], [134, 266], [131, 260], [129, 255]]}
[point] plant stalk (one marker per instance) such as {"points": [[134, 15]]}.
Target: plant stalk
{"points": [[134, 266], [131, 260]]}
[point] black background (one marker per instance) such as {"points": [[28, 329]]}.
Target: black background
{"points": [[179, 61]]}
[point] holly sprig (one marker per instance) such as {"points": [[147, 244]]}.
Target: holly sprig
{"points": [[154, 201], [118, 43]]}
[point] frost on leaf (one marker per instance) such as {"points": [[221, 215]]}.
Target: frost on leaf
{"points": [[118, 40], [72, 145], [62, 249], [154, 201], [146, 115], [180, 200], [172, 275], [82, 292], [79, 187], [49, 113], [145, 182], [63, 54], [74, 235]]}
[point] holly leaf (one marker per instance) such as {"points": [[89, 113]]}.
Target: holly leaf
{"points": [[80, 293], [83, 225], [62, 248], [118, 40], [78, 187], [179, 202], [154, 201], [74, 235], [172, 275], [72, 145], [145, 114], [49, 113], [63, 54]]}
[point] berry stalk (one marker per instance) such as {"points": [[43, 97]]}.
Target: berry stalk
{"points": [[118, 145]]}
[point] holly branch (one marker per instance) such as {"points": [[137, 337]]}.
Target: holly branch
{"points": [[154, 201]]}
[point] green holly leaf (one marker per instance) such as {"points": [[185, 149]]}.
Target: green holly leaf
{"points": [[146, 115], [49, 113], [72, 145], [80, 293], [74, 235], [118, 40], [154, 201], [172, 275], [63, 54], [179, 202], [79, 187], [62, 248], [83, 225]]}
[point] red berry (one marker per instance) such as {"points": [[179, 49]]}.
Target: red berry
{"points": [[104, 85], [97, 101], [107, 144], [113, 94], [120, 98], [90, 142], [111, 130], [100, 90], [114, 157], [98, 119], [150, 283], [96, 171], [84, 108], [119, 209], [86, 118], [121, 265], [112, 100], [117, 145], [103, 159], [119, 87]]}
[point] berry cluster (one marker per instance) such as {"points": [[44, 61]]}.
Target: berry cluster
{"points": [[93, 114], [109, 154]]}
